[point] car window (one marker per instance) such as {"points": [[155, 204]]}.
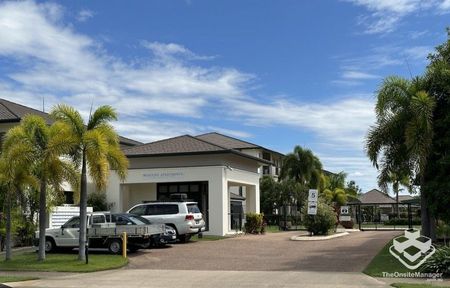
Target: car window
{"points": [[121, 220], [167, 209], [193, 208], [139, 210], [73, 223], [98, 219]]}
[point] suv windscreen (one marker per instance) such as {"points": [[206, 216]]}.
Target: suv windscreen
{"points": [[193, 208]]}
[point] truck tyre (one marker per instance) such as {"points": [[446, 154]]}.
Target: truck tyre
{"points": [[50, 245], [115, 246]]}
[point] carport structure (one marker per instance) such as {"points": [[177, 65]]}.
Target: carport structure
{"points": [[205, 172]]}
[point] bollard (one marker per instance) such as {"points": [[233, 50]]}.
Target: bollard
{"points": [[124, 244]]}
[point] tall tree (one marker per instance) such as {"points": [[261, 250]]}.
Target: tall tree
{"points": [[302, 166], [42, 149], [97, 149], [401, 138], [437, 180]]}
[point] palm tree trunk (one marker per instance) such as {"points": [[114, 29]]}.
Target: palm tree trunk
{"points": [[8, 227], [42, 219], [424, 215], [83, 212]]}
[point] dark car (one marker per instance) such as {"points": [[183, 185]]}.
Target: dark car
{"points": [[157, 240]]}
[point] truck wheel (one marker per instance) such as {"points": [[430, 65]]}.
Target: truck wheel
{"points": [[49, 245], [115, 246]]}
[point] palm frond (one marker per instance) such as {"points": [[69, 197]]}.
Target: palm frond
{"points": [[101, 115], [70, 116]]}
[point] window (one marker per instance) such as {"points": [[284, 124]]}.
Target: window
{"points": [[266, 170], [266, 156], [192, 208], [138, 210], [73, 223], [98, 219], [167, 209]]}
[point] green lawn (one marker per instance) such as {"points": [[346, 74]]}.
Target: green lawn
{"points": [[207, 238], [62, 263], [409, 285], [4, 279], [272, 229], [385, 262]]}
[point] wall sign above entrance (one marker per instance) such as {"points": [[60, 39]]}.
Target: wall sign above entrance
{"points": [[162, 174]]}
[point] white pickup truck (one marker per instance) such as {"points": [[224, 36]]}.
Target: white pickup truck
{"points": [[104, 231]]}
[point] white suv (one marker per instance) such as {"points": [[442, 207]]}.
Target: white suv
{"points": [[185, 217]]}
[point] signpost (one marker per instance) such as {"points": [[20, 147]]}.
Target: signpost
{"points": [[312, 201], [345, 214]]}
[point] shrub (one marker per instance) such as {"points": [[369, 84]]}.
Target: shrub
{"points": [[347, 224], [97, 200], [439, 262], [254, 223], [321, 223]]}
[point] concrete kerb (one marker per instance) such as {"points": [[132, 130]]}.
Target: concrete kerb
{"points": [[319, 238]]}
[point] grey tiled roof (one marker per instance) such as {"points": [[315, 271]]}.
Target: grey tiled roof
{"points": [[402, 198], [176, 145], [375, 196], [14, 112], [226, 141]]}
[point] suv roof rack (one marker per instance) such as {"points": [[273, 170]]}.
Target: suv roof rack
{"points": [[168, 201]]}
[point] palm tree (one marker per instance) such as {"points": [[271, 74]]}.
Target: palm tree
{"points": [[402, 136], [14, 176], [97, 149], [302, 166], [41, 149], [397, 179]]}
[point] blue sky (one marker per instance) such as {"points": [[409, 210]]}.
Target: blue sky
{"points": [[276, 73]]}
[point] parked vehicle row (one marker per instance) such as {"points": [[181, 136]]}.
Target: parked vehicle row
{"points": [[148, 224]]}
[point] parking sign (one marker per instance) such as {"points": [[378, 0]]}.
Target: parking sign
{"points": [[313, 195]]}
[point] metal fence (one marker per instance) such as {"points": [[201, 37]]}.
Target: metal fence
{"points": [[375, 216]]}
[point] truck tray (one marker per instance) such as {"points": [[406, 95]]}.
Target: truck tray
{"points": [[130, 230]]}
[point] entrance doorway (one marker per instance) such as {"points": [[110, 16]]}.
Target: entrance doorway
{"points": [[195, 191]]}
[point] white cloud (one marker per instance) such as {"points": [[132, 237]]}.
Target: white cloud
{"points": [[445, 5], [344, 122], [358, 75], [386, 15], [84, 15], [418, 52]]}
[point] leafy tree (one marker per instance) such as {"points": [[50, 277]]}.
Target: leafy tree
{"points": [[37, 148], [14, 176], [437, 180], [97, 148], [302, 166], [353, 189], [402, 136]]}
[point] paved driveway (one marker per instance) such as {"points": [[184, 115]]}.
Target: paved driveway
{"points": [[270, 252]]}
